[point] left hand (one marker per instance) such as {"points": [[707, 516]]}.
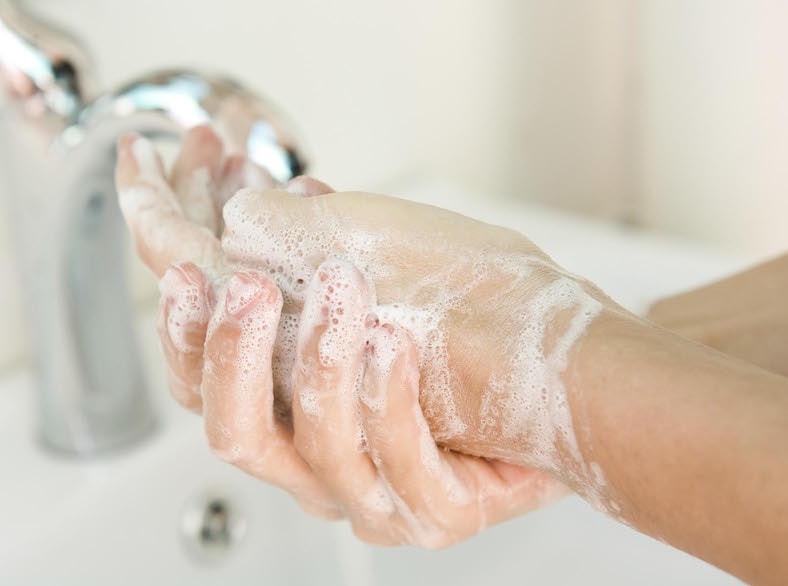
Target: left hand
{"points": [[217, 337]]}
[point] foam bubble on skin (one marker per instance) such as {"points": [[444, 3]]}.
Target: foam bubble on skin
{"points": [[424, 326], [337, 304], [525, 397], [142, 207], [253, 308], [598, 497], [282, 366], [291, 258], [384, 346], [290, 255], [339, 301], [529, 400], [157, 217], [187, 308], [361, 436], [309, 399]]}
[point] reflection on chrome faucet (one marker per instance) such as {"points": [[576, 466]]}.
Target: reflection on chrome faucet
{"points": [[58, 150]]}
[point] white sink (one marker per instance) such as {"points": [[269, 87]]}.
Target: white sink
{"points": [[119, 520]]}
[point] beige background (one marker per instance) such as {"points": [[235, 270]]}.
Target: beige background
{"points": [[670, 112]]}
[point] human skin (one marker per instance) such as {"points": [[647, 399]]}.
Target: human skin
{"points": [[744, 315], [691, 441], [678, 440], [200, 336]]}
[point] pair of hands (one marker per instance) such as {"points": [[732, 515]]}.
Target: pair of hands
{"points": [[337, 343], [328, 338]]}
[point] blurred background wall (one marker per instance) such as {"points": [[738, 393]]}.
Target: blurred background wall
{"points": [[713, 120], [671, 114]]}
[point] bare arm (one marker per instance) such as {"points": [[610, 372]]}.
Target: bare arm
{"points": [[693, 445], [745, 315]]}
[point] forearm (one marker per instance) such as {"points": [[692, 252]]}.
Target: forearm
{"points": [[692, 445], [745, 315]]}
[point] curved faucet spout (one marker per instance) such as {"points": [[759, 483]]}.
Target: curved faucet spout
{"points": [[91, 391]]}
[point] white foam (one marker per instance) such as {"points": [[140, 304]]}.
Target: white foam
{"points": [[528, 400], [309, 399], [385, 345], [250, 309], [538, 312], [339, 302], [187, 308], [157, 218]]}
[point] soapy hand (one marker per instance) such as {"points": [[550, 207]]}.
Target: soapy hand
{"points": [[330, 341]]}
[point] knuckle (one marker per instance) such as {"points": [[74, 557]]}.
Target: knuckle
{"points": [[436, 540], [369, 535], [224, 447]]}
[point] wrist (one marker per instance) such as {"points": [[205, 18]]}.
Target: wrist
{"points": [[597, 374], [677, 438]]}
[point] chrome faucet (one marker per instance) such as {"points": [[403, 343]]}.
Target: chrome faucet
{"points": [[57, 161]]}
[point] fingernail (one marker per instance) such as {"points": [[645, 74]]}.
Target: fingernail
{"points": [[245, 290], [127, 168], [145, 154], [305, 186], [176, 277]]}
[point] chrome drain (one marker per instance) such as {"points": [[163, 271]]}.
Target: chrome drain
{"points": [[212, 527]]}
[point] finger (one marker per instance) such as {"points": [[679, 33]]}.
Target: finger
{"points": [[237, 391], [237, 173], [446, 497], [329, 352], [184, 311], [509, 490], [195, 175], [306, 186], [433, 499], [162, 235]]}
